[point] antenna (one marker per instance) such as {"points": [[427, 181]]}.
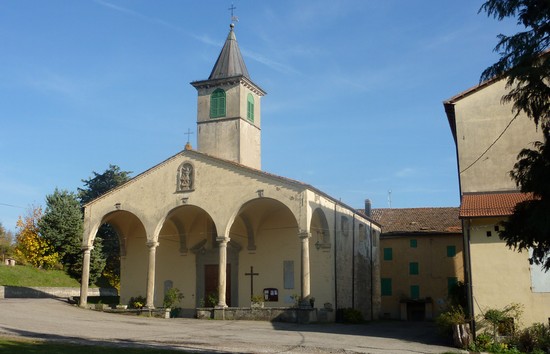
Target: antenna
{"points": [[233, 18], [389, 198]]}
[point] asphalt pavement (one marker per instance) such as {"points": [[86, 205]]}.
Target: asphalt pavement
{"points": [[51, 319]]}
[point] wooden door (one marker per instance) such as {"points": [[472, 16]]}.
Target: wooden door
{"points": [[211, 274]]}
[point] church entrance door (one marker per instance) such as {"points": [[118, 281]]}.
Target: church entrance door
{"points": [[211, 274]]}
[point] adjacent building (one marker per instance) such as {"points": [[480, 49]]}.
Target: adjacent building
{"points": [[488, 138], [421, 260]]}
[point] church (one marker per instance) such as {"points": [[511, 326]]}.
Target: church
{"points": [[212, 224]]}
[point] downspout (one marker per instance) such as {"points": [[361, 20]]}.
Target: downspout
{"points": [[371, 274], [335, 264], [353, 263], [468, 273]]}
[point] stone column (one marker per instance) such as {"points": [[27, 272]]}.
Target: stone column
{"points": [[222, 286], [151, 274], [86, 251], [305, 274]]}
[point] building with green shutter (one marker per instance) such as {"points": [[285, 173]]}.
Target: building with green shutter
{"points": [[420, 260]]}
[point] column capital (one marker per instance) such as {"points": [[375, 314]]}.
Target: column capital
{"points": [[87, 248], [223, 239], [152, 244], [304, 234]]}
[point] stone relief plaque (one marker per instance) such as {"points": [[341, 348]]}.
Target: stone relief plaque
{"points": [[185, 178]]}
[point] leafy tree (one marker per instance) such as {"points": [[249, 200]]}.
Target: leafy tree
{"points": [[96, 186], [525, 63], [6, 242], [30, 246]]}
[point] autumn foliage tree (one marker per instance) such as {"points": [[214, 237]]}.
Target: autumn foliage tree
{"points": [[31, 247]]}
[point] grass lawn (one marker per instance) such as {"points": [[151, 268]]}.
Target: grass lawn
{"points": [[21, 275], [23, 346]]}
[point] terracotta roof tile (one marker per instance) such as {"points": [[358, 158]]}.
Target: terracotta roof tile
{"points": [[491, 204], [418, 220]]}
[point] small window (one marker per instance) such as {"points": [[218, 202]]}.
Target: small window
{"points": [[386, 287], [217, 104], [388, 254], [250, 107], [451, 251], [414, 243], [415, 292], [413, 268]]}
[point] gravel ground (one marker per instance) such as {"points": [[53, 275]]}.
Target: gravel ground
{"points": [[52, 319]]}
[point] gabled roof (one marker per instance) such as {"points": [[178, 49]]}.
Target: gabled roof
{"points": [[237, 166], [491, 204], [230, 63], [418, 220]]}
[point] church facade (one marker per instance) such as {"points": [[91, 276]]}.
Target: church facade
{"points": [[211, 223]]}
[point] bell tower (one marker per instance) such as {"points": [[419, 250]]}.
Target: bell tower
{"points": [[228, 109]]}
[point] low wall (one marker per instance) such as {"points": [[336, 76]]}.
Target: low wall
{"points": [[7, 292], [272, 314]]}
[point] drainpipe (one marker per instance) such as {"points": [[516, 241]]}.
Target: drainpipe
{"points": [[353, 263], [335, 263], [468, 273]]}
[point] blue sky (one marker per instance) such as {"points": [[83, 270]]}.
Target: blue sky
{"points": [[354, 105]]}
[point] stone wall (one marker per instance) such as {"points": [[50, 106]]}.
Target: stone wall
{"points": [[7, 292], [272, 314]]}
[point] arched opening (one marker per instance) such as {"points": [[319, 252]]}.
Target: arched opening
{"points": [[125, 236], [268, 233]]}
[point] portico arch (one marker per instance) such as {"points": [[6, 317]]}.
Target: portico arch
{"points": [[132, 236]]}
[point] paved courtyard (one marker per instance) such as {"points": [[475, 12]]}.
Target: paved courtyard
{"points": [[56, 320]]}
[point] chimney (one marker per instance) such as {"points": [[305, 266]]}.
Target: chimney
{"points": [[368, 210]]}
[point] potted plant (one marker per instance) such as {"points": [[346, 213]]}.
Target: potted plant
{"points": [[257, 301]]}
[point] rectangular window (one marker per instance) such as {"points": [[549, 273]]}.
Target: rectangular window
{"points": [[415, 292], [451, 251], [451, 283], [413, 268], [388, 254], [414, 243], [386, 287], [288, 274]]}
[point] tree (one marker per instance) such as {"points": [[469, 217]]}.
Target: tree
{"points": [[62, 226], [96, 186], [6, 242], [30, 246], [525, 63]]}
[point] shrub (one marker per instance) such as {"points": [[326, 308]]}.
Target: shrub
{"points": [[353, 316], [453, 316], [137, 302], [172, 298]]}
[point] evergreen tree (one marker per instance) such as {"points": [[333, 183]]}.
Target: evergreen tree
{"points": [[96, 186], [525, 63], [6, 243]]}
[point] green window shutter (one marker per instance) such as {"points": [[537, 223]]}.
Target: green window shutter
{"points": [[388, 254], [413, 268], [451, 251], [386, 287], [414, 243], [250, 107], [415, 292], [217, 104], [451, 283]]}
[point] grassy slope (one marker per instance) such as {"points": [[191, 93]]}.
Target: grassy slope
{"points": [[30, 276], [22, 346]]}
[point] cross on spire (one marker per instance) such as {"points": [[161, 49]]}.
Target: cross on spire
{"points": [[189, 132], [233, 18]]}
